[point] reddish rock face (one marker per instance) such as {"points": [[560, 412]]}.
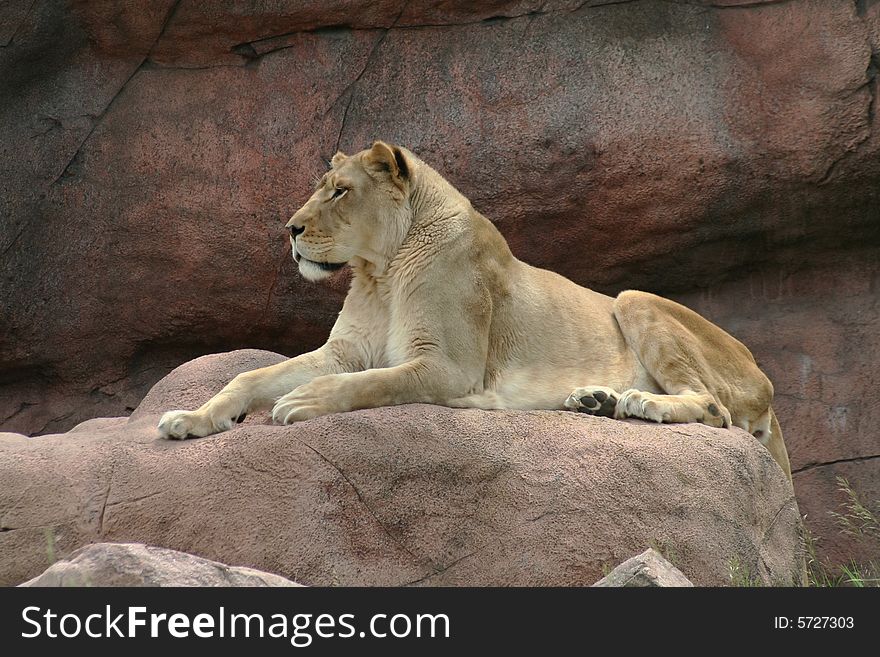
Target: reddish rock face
{"points": [[724, 154]]}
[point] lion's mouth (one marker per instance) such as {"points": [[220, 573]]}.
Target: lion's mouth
{"points": [[326, 266]]}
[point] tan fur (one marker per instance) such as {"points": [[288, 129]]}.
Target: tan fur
{"points": [[441, 312]]}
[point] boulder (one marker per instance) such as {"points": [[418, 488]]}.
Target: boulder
{"points": [[406, 495], [134, 564], [646, 569]]}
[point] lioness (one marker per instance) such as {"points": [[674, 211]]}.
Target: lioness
{"points": [[441, 312]]}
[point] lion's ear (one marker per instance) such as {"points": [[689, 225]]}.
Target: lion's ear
{"points": [[390, 159], [338, 159]]}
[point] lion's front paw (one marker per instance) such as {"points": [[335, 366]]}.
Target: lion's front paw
{"points": [[320, 396], [716, 415], [179, 425], [593, 400]]}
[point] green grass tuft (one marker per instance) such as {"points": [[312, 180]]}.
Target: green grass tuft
{"points": [[856, 519], [741, 575]]}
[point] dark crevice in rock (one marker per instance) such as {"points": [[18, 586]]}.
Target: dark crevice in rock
{"points": [[245, 50], [16, 529], [252, 54], [786, 505], [284, 257], [871, 86], [104, 503], [15, 239], [165, 24], [97, 120], [150, 65], [55, 420], [360, 74], [253, 60], [854, 459], [589, 4], [24, 21], [491, 20], [443, 569], [342, 126], [745, 5], [873, 67], [135, 374], [133, 500], [349, 89], [23, 406], [532, 15], [369, 509], [249, 51], [52, 123]]}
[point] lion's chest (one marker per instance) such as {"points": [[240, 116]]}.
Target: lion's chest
{"points": [[381, 327], [391, 343]]}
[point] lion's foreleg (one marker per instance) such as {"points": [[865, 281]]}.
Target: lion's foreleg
{"points": [[687, 407], [252, 391], [417, 381]]}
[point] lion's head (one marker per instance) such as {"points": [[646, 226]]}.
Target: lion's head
{"points": [[357, 211]]}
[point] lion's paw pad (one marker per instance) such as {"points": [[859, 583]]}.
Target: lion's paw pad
{"points": [[593, 400]]}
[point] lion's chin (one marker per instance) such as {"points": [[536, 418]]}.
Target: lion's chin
{"points": [[315, 272]]}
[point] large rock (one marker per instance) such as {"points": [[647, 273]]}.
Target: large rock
{"points": [[403, 495], [133, 564], [150, 154]]}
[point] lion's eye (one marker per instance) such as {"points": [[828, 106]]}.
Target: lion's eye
{"points": [[339, 192]]}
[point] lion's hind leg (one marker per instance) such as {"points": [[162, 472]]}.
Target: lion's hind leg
{"points": [[706, 374]]}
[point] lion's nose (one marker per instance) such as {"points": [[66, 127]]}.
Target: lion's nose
{"points": [[294, 231]]}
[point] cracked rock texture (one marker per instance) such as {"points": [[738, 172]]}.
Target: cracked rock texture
{"points": [[412, 494], [134, 564], [724, 153]]}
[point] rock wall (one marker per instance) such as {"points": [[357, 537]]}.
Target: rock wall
{"points": [[725, 153]]}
